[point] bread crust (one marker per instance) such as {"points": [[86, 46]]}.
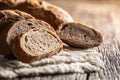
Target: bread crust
{"points": [[7, 4], [81, 44], [26, 57]]}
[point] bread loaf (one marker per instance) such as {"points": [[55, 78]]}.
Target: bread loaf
{"points": [[36, 44], [50, 13], [16, 29], [78, 35]]}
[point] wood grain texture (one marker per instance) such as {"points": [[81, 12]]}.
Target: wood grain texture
{"points": [[98, 16]]}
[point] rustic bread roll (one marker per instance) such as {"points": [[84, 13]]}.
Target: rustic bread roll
{"points": [[16, 29], [78, 35], [36, 44], [42, 10]]}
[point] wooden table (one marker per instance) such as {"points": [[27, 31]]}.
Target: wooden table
{"points": [[102, 15]]}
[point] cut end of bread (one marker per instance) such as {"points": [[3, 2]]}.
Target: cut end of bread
{"points": [[36, 44], [78, 35], [25, 25]]}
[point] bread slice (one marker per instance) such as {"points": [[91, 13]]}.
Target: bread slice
{"points": [[16, 29], [78, 35], [36, 44]]}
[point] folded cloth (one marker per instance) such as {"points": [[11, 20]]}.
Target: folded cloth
{"points": [[64, 62]]}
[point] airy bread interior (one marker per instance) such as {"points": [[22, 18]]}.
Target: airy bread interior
{"points": [[39, 41]]}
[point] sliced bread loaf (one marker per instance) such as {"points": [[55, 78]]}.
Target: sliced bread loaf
{"points": [[43, 10], [78, 35], [17, 28], [50, 13], [36, 44]]}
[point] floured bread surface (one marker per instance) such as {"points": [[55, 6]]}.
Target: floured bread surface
{"points": [[36, 44], [78, 35], [19, 27]]}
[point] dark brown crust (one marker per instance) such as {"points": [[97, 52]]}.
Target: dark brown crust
{"points": [[23, 56], [42, 10], [76, 44], [2, 15], [7, 4]]}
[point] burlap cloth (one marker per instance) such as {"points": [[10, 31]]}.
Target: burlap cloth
{"points": [[65, 62]]}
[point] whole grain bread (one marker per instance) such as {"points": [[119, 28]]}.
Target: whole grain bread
{"points": [[50, 13], [79, 35], [15, 29], [36, 44]]}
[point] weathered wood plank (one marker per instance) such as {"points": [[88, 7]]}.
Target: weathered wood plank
{"points": [[111, 57], [101, 18]]}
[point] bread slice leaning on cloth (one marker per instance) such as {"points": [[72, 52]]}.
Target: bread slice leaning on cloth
{"points": [[36, 44]]}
